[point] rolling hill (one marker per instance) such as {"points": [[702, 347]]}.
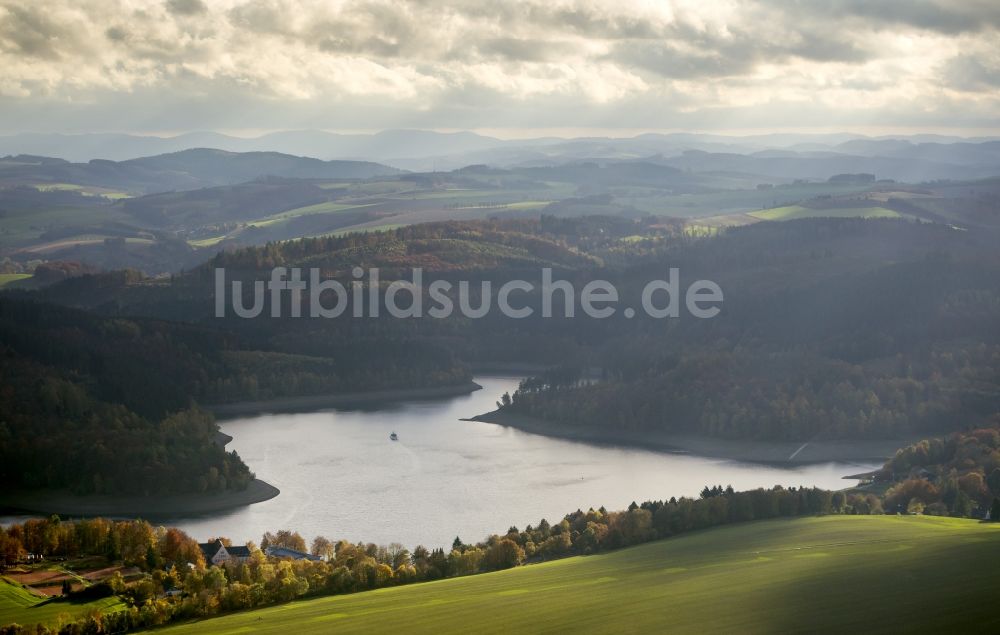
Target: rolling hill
{"points": [[20, 606], [821, 574], [813, 155], [184, 170]]}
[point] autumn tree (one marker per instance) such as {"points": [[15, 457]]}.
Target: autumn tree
{"points": [[503, 555], [283, 538], [322, 547]]}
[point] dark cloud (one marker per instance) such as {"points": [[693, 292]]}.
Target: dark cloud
{"points": [[169, 64], [27, 30], [262, 17], [943, 16], [116, 33], [374, 46], [971, 73], [688, 52], [587, 21], [667, 60], [520, 49], [185, 7], [367, 29]]}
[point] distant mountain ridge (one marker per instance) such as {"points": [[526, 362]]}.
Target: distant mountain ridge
{"points": [[183, 170], [425, 150], [308, 143]]}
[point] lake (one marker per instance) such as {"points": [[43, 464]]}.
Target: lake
{"points": [[342, 477]]}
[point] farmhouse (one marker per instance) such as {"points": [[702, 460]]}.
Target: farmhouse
{"points": [[217, 553]]}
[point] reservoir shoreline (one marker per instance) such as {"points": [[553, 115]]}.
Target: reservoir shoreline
{"points": [[67, 504], [441, 477], [414, 446], [340, 400], [776, 452]]}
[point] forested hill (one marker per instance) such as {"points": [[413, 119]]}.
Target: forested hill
{"points": [[101, 405], [830, 327], [957, 474], [108, 405], [184, 170]]}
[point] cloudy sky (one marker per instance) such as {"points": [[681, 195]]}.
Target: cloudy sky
{"points": [[726, 65]]}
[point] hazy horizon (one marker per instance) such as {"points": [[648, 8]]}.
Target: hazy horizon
{"points": [[515, 134]]}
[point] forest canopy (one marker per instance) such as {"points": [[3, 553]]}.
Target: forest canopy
{"points": [[831, 328]]}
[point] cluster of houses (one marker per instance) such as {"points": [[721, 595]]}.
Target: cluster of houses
{"points": [[24, 558], [218, 554]]}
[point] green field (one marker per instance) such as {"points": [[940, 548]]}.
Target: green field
{"points": [[20, 228], [20, 606], [734, 198], [7, 278], [207, 242], [83, 189], [831, 574], [319, 208], [710, 225], [519, 205], [793, 212]]}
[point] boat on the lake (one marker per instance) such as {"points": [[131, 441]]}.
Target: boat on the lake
{"points": [[394, 437]]}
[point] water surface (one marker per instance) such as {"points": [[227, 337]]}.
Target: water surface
{"points": [[341, 476]]}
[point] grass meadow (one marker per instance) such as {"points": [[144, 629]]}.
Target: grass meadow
{"points": [[20, 606], [824, 574]]}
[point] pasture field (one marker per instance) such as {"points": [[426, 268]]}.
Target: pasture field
{"points": [[319, 208], [20, 606], [793, 212], [83, 239], [86, 190], [528, 204], [7, 278], [201, 243], [364, 229], [729, 201], [25, 227], [471, 196], [900, 574], [710, 225], [501, 207]]}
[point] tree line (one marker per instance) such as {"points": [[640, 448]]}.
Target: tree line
{"points": [[172, 561], [956, 475]]}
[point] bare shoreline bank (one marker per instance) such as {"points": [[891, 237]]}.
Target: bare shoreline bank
{"points": [[66, 504], [340, 400], [778, 452]]}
